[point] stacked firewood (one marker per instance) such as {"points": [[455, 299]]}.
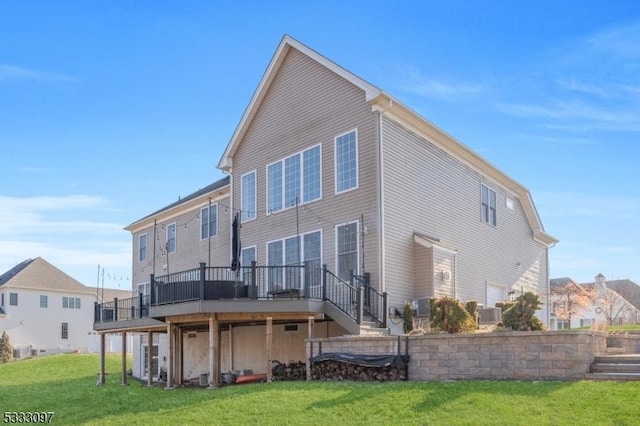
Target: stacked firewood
{"points": [[336, 370], [294, 370]]}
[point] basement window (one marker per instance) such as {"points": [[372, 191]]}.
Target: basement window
{"points": [[291, 327]]}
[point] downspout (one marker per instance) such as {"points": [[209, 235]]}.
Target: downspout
{"points": [[381, 229], [455, 275], [546, 252]]}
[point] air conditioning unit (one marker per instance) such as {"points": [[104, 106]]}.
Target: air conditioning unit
{"points": [[490, 315], [422, 307]]}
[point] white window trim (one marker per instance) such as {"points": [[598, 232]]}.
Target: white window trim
{"points": [[301, 201], [208, 207], [254, 216], [146, 247], [255, 247], [357, 222], [335, 163], [175, 227], [488, 222]]}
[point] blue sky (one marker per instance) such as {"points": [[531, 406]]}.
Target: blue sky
{"points": [[110, 110]]}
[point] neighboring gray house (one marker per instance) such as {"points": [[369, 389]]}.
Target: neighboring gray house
{"points": [[326, 169]]}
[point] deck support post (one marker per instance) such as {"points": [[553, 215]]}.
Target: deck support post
{"points": [[123, 381], [214, 353], [269, 333], [309, 354], [170, 355], [149, 358], [102, 380]]}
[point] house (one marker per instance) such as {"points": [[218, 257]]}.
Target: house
{"points": [[587, 304], [340, 205], [44, 310]]}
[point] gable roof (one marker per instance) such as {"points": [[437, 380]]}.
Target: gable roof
{"points": [[218, 185], [38, 274], [108, 294], [383, 102], [625, 288]]}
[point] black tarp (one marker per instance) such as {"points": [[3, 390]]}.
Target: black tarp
{"points": [[398, 361]]}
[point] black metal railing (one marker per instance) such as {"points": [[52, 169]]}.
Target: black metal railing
{"points": [[122, 309], [374, 303], [308, 281]]}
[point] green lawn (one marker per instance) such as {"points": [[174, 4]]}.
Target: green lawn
{"points": [[66, 385]]}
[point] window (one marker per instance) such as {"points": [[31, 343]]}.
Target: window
{"points": [[247, 256], [311, 178], [488, 201], [13, 299], [154, 360], [209, 221], [142, 247], [564, 324], [274, 187], [346, 156], [586, 322], [70, 302], [294, 180], [287, 254], [44, 301], [2, 299], [312, 251], [65, 331], [248, 197], [347, 250], [171, 238]]}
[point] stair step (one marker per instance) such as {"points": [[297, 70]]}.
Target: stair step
{"points": [[617, 359], [616, 368], [613, 376]]}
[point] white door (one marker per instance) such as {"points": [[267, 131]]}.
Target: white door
{"points": [[495, 293]]}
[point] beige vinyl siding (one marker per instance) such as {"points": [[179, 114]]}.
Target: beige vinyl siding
{"points": [[307, 105], [429, 191], [423, 271], [190, 248]]}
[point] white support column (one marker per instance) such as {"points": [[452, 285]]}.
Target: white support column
{"points": [[149, 357]]}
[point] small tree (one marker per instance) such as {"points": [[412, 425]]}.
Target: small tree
{"points": [[614, 307], [407, 317], [520, 314], [6, 350], [451, 316], [571, 300]]}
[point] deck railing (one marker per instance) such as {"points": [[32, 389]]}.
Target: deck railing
{"points": [[122, 309], [308, 281]]}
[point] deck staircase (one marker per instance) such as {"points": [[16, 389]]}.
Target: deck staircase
{"points": [[615, 365]]}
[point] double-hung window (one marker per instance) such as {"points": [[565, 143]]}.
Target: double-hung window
{"points": [[13, 299], [171, 238], [65, 331], [209, 222], [294, 180], [44, 301], [248, 196], [488, 205], [346, 158], [347, 250], [142, 247]]}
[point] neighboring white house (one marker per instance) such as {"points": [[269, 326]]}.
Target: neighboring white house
{"points": [[44, 310], [600, 304]]}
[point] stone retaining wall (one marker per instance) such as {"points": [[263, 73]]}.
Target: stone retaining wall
{"points": [[537, 355]]}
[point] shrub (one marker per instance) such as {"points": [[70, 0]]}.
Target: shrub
{"points": [[407, 317], [6, 350], [520, 314], [450, 315]]}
